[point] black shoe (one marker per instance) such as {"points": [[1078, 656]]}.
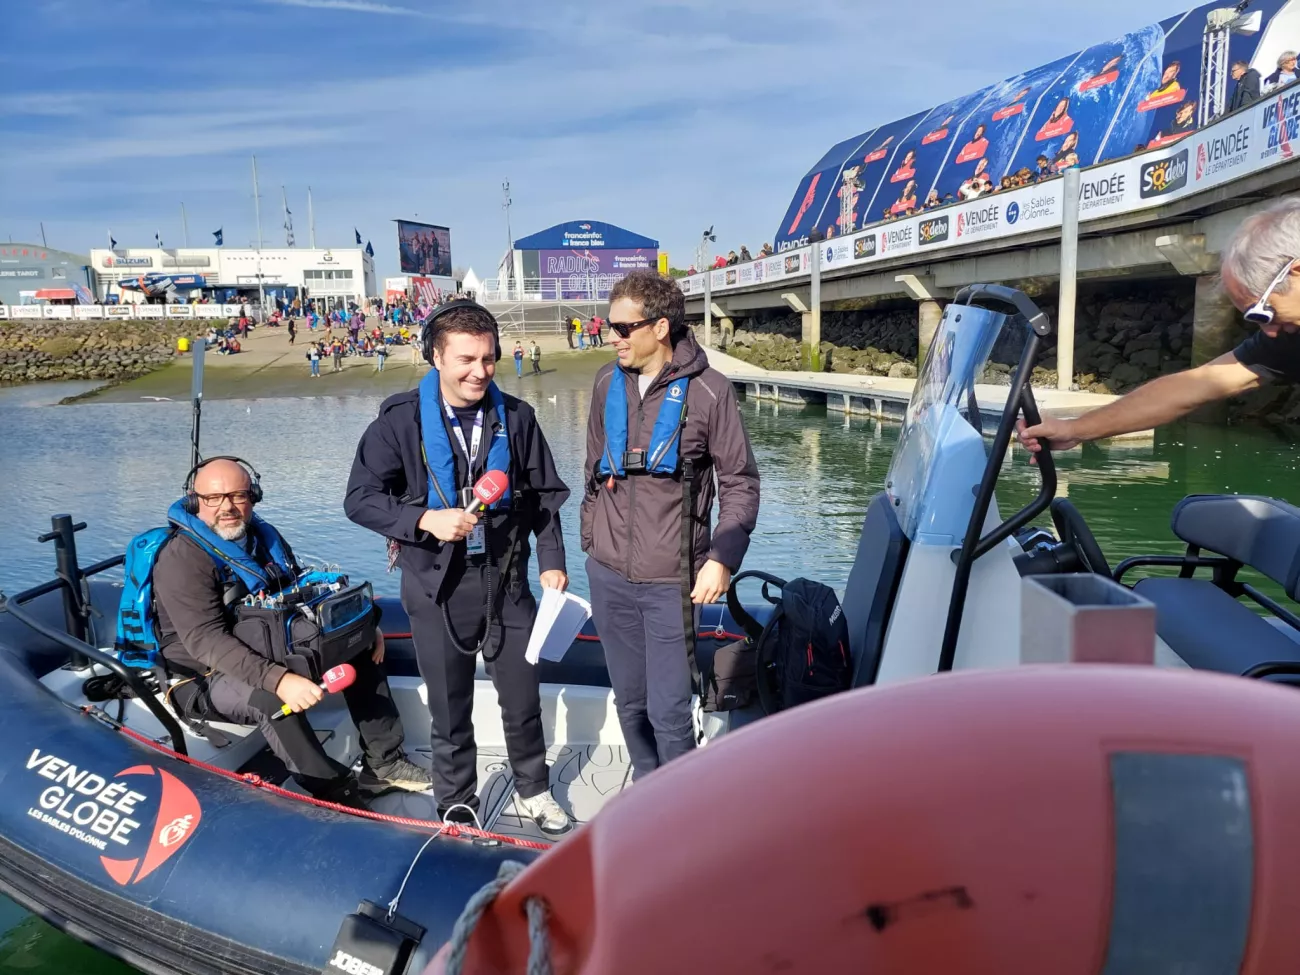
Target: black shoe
{"points": [[460, 815], [399, 774], [343, 791]]}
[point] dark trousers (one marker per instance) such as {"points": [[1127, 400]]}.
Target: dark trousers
{"points": [[641, 630], [370, 703], [537, 366], [449, 681]]}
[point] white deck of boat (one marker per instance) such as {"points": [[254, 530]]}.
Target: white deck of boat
{"points": [[588, 761]]}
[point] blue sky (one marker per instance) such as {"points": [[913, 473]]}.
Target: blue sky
{"points": [[662, 117]]}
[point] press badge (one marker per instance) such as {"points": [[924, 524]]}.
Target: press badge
{"points": [[476, 540]]}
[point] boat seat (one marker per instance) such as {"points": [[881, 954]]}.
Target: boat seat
{"points": [[872, 586], [1263, 533], [1210, 630]]}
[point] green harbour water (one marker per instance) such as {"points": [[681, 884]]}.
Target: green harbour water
{"points": [[117, 465]]}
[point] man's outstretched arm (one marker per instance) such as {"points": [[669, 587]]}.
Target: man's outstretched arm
{"points": [[1151, 405]]}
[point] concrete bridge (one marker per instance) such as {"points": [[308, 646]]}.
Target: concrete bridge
{"points": [[1182, 238]]}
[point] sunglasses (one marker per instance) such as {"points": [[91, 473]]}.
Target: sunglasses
{"points": [[1261, 312], [625, 329]]}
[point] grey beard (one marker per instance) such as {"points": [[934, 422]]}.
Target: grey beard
{"points": [[231, 533]]}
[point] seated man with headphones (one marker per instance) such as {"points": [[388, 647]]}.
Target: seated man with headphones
{"points": [[465, 576], [219, 553]]}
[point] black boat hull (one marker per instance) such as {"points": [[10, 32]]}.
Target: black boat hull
{"points": [[94, 836]]}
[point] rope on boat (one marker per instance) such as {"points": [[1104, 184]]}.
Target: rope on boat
{"points": [[535, 906], [248, 778]]}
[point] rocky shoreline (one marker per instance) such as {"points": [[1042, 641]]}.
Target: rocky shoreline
{"points": [[52, 349], [1123, 338]]}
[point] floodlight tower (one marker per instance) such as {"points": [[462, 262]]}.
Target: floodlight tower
{"points": [[1220, 24], [702, 252]]}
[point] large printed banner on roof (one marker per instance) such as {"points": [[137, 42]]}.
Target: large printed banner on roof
{"points": [[1142, 91], [1265, 135]]}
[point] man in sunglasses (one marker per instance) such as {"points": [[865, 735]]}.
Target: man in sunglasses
{"points": [[1260, 270], [663, 427]]}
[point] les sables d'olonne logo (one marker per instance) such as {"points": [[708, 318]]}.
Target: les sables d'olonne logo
{"points": [[108, 813]]}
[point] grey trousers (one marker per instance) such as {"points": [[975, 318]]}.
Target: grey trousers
{"points": [[640, 627]]}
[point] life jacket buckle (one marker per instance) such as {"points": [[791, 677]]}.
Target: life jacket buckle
{"points": [[634, 461]]}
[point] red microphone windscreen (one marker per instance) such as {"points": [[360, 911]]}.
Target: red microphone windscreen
{"points": [[338, 678], [491, 486]]}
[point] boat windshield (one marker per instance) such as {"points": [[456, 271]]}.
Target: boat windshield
{"points": [[958, 355]]}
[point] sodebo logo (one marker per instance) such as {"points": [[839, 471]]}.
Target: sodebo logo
{"points": [[106, 813], [1164, 176]]}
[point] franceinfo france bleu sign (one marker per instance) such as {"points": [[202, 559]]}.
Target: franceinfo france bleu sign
{"points": [[583, 235]]}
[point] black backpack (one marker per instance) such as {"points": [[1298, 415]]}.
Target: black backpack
{"points": [[802, 653]]}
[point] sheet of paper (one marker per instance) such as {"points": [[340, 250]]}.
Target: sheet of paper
{"points": [[560, 617]]}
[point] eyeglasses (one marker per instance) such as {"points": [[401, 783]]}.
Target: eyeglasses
{"points": [[625, 329], [215, 500], [1261, 312]]}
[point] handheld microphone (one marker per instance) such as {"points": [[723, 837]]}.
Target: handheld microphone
{"points": [[335, 679], [488, 490]]}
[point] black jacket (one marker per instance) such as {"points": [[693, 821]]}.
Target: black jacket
{"points": [[389, 483], [1245, 91]]}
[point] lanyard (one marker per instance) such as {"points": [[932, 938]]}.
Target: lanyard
{"points": [[476, 438]]}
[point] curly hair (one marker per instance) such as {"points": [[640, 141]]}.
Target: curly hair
{"points": [[659, 297]]}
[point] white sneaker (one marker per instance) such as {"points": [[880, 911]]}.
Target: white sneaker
{"points": [[546, 812]]}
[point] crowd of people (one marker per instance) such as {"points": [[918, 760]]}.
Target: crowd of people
{"points": [[733, 258], [375, 343], [585, 335]]}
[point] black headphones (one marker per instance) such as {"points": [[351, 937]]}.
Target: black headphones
{"points": [[428, 331], [191, 500]]}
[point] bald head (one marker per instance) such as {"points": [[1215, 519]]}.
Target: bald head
{"points": [[221, 475], [222, 487]]}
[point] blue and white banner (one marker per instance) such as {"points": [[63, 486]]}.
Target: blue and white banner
{"points": [[1265, 135]]}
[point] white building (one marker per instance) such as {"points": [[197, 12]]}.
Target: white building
{"points": [[430, 288], [343, 272]]}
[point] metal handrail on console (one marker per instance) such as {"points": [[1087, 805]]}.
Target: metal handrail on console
{"points": [[1020, 398]]}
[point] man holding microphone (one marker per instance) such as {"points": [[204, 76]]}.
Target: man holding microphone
{"points": [[464, 569], [662, 427]]}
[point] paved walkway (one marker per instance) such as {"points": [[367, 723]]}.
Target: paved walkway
{"points": [[991, 398]]}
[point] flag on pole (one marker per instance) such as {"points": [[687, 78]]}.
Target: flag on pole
{"points": [[158, 238], [217, 234], [112, 244], [370, 250], [358, 234]]}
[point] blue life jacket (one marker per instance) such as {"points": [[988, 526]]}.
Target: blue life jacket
{"points": [[439, 457], [665, 438], [137, 631]]}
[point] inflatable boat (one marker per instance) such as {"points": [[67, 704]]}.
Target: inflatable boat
{"points": [[134, 833]]}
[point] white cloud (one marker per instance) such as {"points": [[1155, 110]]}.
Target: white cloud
{"points": [[355, 6], [660, 117]]}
